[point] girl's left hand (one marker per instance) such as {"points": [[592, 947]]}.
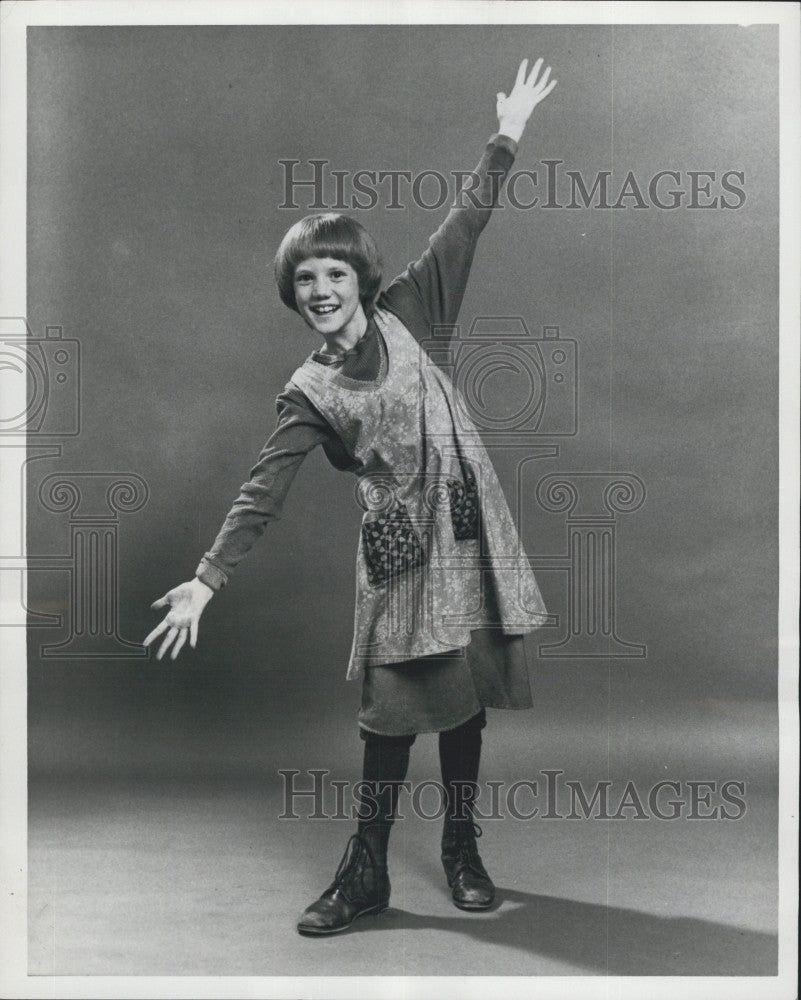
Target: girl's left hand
{"points": [[515, 110]]}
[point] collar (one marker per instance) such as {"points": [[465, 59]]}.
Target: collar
{"points": [[358, 347]]}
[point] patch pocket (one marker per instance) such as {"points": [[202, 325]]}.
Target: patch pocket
{"points": [[391, 545], [464, 505]]}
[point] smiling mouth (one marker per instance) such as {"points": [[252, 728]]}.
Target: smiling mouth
{"points": [[323, 310]]}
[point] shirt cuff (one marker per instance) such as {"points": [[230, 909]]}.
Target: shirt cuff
{"points": [[211, 575], [504, 142]]}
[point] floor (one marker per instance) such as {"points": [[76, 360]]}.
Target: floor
{"points": [[187, 875]]}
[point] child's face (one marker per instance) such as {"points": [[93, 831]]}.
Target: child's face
{"points": [[327, 295]]}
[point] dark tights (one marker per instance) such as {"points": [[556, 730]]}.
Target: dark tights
{"points": [[386, 761]]}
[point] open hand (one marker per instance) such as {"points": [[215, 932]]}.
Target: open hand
{"points": [[186, 602], [515, 110]]}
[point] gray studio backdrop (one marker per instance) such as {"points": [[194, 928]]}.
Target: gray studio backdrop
{"points": [[153, 214]]}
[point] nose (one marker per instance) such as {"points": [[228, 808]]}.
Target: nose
{"points": [[321, 287]]}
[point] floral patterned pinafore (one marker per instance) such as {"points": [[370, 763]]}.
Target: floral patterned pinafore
{"points": [[439, 554]]}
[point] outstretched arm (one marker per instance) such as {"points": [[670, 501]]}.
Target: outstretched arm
{"points": [[299, 430], [431, 289]]}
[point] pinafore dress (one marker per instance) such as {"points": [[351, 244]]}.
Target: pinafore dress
{"points": [[439, 555]]}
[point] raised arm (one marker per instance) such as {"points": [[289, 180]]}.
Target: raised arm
{"points": [[431, 289]]}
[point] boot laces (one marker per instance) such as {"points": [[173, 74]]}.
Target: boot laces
{"points": [[467, 849], [352, 864]]}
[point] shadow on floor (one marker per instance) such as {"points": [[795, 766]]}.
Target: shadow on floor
{"points": [[609, 940]]}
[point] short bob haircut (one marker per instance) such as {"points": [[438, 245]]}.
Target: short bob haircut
{"points": [[329, 234]]}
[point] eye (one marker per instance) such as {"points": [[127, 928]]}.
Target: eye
{"points": [[339, 274], [302, 278]]}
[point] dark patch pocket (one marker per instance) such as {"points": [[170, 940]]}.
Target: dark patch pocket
{"points": [[391, 544], [464, 505]]}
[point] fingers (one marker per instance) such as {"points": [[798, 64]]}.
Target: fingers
{"points": [[171, 635], [174, 635], [531, 79], [541, 83], [548, 89], [178, 625], [534, 71], [176, 649], [500, 96], [156, 632]]}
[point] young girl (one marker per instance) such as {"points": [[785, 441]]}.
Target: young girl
{"points": [[444, 593]]}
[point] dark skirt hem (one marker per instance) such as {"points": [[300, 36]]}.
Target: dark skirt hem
{"points": [[435, 694], [423, 732]]}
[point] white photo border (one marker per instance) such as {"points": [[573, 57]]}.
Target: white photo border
{"points": [[15, 18]]}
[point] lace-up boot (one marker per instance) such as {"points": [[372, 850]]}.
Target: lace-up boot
{"points": [[471, 886], [360, 886]]}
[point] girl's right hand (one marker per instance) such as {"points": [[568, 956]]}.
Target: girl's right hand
{"points": [[186, 602]]}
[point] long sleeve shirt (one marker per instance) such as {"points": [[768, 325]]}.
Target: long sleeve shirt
{"points": [[428, 293]]}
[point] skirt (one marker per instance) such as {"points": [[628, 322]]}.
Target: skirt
{"points": [[439, 692]]}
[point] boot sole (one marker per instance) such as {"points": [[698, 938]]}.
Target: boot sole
{"points": [[308, 931], [468, 906], [473, 906]]}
